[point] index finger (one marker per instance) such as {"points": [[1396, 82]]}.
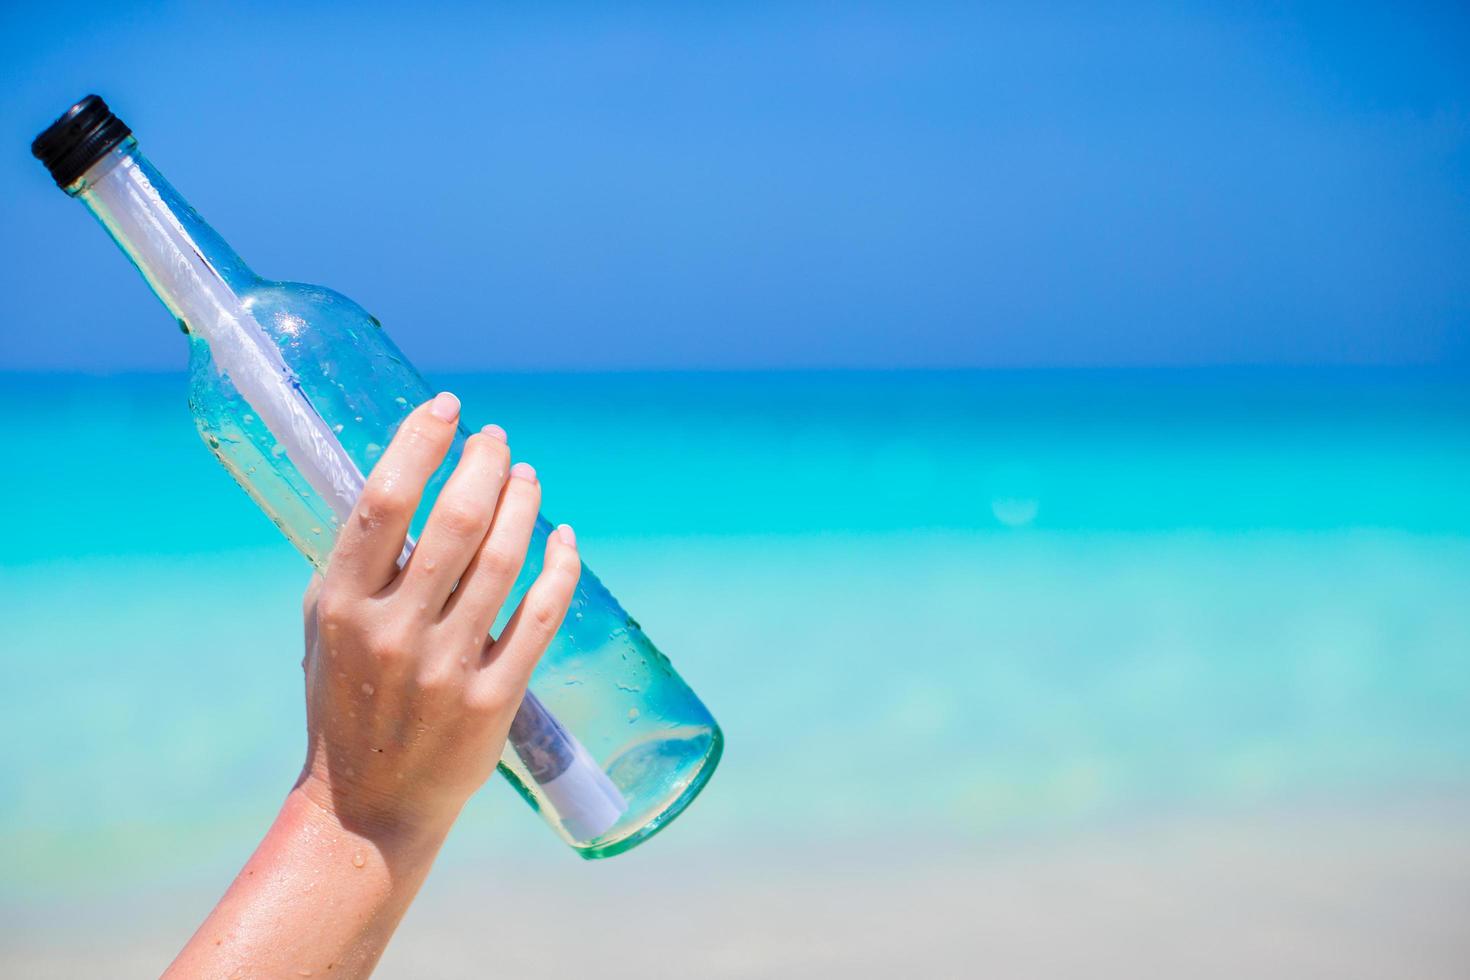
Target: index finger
{"points": [[365, 558]]}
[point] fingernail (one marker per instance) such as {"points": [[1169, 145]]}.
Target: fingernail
{"points": [[525, 471], [494, 432], [444, 406], [566, 535]]}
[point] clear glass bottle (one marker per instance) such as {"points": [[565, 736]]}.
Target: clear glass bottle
{"points": [[605, 707]]}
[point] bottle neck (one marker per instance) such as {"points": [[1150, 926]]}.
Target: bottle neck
{"points": [[187, 264], [212, 293]]}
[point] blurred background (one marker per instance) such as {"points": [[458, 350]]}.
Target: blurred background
{"points": [[1041, 434]]}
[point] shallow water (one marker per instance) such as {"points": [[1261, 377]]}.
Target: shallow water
{"points": [[927, 608]]}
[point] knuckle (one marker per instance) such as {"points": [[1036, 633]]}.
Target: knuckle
{"points": [[382, 649], [390, 643], [492, 699], [497, 562], [567, 566], [461, 518], [544, 616], [333, 609], [435, 680], [381, 500]]}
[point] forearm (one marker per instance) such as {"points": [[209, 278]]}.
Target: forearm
{"points": [[317, 898]]}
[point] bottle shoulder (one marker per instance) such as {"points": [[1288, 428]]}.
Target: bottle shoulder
{"points": [[291, 309], [338, 355], [319, 330]]}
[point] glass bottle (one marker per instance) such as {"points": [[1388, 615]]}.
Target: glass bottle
{"points": [[296, 390]]}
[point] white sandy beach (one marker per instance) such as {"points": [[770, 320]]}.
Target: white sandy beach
{"points": [[1321, 891]]}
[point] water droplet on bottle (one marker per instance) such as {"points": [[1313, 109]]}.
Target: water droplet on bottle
{"points": [[401, 400], [367, 688], [337, 428], [278, 450], [316, 530], [633, 714], [358, 860]]}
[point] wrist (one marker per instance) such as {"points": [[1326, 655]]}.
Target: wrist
{"points": [[387, 823], [345, 883]]}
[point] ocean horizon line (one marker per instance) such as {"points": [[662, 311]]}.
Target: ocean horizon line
{"points": [[1427, 371]]}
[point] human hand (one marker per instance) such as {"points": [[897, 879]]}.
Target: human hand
{"points": [[408, 702], [407, 705]]}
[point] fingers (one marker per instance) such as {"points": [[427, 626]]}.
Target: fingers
{"points": [[493, 570], [366, 555], [515, 654], [459, 521]]}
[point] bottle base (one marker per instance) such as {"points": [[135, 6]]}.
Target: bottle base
{"points": [[703, 769]]}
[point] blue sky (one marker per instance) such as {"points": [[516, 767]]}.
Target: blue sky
{"points": [[775, 186]]}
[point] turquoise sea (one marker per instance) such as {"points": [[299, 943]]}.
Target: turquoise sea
{"points": [[933, 611]]}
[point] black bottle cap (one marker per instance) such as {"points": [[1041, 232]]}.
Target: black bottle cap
{"points": [[80, 138]]}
